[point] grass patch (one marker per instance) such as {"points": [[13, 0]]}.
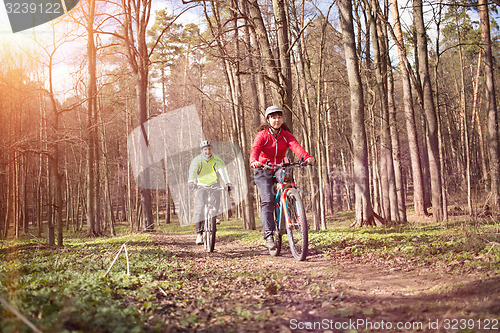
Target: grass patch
{"points": [[64, 289], [461, 244]]}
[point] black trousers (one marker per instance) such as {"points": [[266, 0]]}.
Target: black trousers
{"points": [[200, 198], [265, 180]]}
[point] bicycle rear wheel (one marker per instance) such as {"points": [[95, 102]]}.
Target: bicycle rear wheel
{"points": [[297, 229]]}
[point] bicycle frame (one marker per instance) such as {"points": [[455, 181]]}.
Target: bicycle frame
{"points": [[280, 202], [209, 205], [211, 191], [283, 187]]}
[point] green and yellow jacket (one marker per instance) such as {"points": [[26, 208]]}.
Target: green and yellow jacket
{"points": [[206, 171]]}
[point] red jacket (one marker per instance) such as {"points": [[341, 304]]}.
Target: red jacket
{"points": [[267, 147]]}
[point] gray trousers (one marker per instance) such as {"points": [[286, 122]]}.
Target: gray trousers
{"points": [[200, 198]]}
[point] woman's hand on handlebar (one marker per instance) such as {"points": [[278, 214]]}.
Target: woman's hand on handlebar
{"points": [[256, 164], [310, 160]]}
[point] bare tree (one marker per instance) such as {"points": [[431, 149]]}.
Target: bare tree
{"points": [[93, 224], [379, 42], [418, 189], [430, 112], [137, 14], [491, 104], [231, 62], [364, 210], [285, 73], [268, 62]]}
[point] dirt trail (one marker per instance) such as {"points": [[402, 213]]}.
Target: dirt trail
{"points": [[241, 288]]}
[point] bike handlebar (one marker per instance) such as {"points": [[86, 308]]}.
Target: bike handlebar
{"points": [[211, 187], [299, 163]]}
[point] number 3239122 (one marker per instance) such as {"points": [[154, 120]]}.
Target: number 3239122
{"points": [[462, 324], [34, 8]]}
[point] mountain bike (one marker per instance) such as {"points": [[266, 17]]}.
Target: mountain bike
{"points": [[210, 221], [289, 212]]}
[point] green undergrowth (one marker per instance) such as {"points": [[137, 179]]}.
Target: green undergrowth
{"points": [[65, 289], [455, 246]]}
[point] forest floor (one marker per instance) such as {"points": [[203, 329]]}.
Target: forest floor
{"points": [[415, 277], [241, 288]]}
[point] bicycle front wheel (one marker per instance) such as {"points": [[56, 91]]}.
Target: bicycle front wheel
{"points": [[297, 229], [209, 233]]}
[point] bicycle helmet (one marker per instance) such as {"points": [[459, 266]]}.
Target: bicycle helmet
{"points": [[205, 143], [272, 109]]}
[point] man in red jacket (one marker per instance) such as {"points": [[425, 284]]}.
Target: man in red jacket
{"points": [[271, 143]]}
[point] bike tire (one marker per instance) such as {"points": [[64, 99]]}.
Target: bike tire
{"points": [[297, 230], [277, 244], [208, 241], [211, 234]]}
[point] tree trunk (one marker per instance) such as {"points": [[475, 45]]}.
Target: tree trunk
{"points": [[475, 117], [251, 66], [261, 84], [249, 201], [11, 194], [389, 196], [281, 20], [56, 175], [39, 193], [396, 150], [430, 113], [108, 204], [418, 188], [319, 179], [268, 61], [248, 207], [139, 12], [465, 133], [439, 118], [491, 104], [234, 84], [92, 130], [142, 92], [364, 210]]}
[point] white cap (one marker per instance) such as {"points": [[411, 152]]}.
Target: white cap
{"points": [[272, 109]]}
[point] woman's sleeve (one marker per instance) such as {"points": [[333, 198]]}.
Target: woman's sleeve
{"points": [[258, 143], [295, 146]]}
